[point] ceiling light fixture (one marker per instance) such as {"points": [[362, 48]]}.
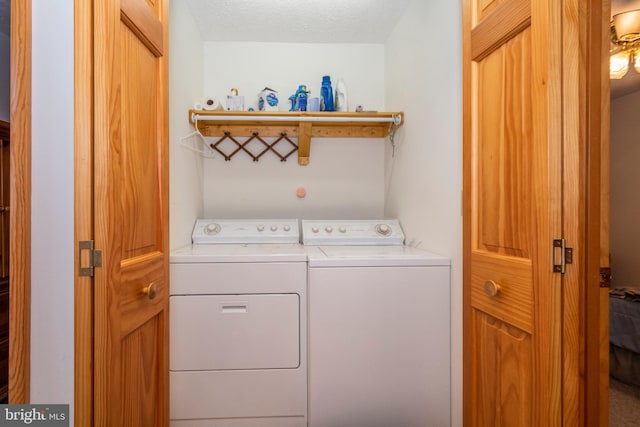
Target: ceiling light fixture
{"points": [[625, 40]]}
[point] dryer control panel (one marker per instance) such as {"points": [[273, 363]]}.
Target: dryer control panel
{"points": [[238, 231]]}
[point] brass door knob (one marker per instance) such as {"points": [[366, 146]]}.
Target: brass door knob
{"points": [[151, 291], [491, 288]]}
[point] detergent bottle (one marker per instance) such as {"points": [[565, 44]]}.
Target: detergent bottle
{"points": [[326, 94], [341, 101]]}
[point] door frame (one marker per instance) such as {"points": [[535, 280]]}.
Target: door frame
{"points": [[20, 204], [83, 211], [597, 137], [586, 111]]}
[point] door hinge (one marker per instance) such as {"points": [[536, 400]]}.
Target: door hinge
{"points": [[88, 258], [566, 256], [605, 277]]}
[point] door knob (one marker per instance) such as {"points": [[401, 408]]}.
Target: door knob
{"points": [[491, 288], [151, 291]]}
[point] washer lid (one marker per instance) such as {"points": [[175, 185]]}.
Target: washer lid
{"points": [[372, 256], [352, 232]]}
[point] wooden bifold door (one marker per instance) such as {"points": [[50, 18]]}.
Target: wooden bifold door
{"points": [[512, 214], [535, 114]]}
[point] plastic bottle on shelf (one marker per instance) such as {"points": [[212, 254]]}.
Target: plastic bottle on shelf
{"points": [[341, 100], [326, 94], [300, 99]]}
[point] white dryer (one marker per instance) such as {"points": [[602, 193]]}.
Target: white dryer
{"points": [[379, 335], [238, 348]]}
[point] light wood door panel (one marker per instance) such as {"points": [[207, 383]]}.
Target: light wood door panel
{"points": [[505, 133], [512, 358], [504, 363], [140, 151], [131, 213]]}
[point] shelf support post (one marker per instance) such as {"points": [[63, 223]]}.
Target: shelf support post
{"points": [[304, 143]]}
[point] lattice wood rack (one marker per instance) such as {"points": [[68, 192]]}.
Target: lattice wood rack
{"points": [[285, 125]]}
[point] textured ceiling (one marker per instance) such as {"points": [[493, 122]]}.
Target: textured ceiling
{"points": [[316, 21], [5, 16], [304, 21]]}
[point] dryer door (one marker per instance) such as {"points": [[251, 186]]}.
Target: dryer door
{"points": [[233, 332]]}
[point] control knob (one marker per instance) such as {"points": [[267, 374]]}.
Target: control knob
{"points": [[274, 228], [328, 229], [383, 229], [212, 228], [287, 228]]}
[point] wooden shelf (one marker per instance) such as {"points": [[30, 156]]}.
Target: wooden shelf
{"points": [[301, 125]]}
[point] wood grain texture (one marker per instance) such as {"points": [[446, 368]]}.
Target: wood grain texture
{"points": [[596, 46], [20, 218], [504, 364], [504, 149], [303, 130], [605, 253], [304, 143], [574, 209], [106, 18], [485, 7], [509, 18], [547, 98], [514, 302], [131, 220], [586, 139], [317, 131], [512, 212], [83, 210], [140, 151], [142, 20], [141, 375]]}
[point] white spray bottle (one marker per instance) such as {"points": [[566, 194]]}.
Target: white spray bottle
{"points": [[341, 96]]}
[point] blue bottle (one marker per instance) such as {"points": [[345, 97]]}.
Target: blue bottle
{"points": [[301, 98], [302, 103], [326, 94]]}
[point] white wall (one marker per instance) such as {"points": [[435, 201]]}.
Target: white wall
{"points": [[5, 95], [625, 192], [185, 89], [345, 177], [423, 181], [52, 278]]}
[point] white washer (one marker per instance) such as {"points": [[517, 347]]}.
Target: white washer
{"points": [[379, 334], [238, 347]]}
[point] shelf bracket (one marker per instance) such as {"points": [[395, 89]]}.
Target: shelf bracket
{"points": [[286, 125], [304, 143]]}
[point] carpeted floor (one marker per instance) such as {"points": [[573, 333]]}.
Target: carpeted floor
{"points": [[624, 404]]}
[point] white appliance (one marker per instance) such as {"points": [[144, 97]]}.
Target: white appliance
{"points": [[238, 326], [379, 334]]}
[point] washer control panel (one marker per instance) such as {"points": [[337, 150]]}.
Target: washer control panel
{"points": [[352, 232], [238, 231]]}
